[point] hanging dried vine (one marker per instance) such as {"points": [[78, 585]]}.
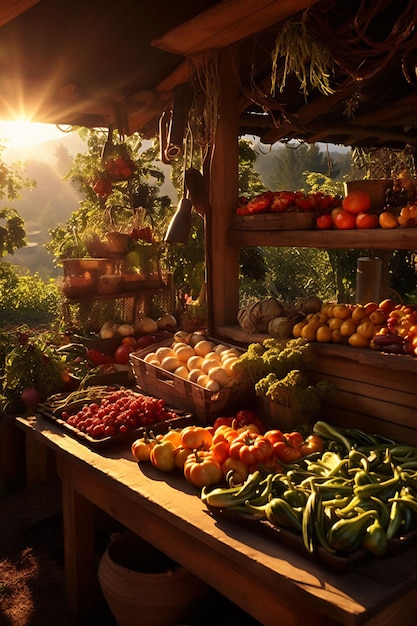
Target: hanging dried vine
{"points": [[304, 55], [362, 44], [204, 110]]}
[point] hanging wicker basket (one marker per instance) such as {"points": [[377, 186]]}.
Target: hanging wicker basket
{"points": [[144, 587]]}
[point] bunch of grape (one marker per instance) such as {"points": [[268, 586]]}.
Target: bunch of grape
{"points": [[396, 196]]}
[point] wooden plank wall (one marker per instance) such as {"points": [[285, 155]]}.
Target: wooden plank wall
{"points": [[374, 399]]}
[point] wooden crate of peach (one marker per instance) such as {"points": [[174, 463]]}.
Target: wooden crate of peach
{"points": [[194, 373]]}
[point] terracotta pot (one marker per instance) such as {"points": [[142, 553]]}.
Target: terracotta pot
{"points": [[144, 587]]}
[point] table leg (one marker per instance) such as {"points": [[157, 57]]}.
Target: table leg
{"points": [[80, 568]]}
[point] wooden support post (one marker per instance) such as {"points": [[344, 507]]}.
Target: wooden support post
{"points": [[222, 261], [80, 569]]}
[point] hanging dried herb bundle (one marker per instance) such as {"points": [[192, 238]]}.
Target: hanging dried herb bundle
{"points": [[303, 55]]}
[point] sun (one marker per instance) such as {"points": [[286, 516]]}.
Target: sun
{"points": [[23, 133]]}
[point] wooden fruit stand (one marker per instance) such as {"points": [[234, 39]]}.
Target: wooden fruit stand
{"points": [[266, 578], [376, 392]]}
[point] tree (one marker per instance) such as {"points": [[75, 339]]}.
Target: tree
{"points": [[290, 164], [12, 230]]}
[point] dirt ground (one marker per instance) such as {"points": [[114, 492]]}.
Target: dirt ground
{"points": [[32, 585], [32, 588]]}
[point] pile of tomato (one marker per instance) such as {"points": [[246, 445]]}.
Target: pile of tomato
{"points": [[282, 201], [210, 455], [353, 212]]}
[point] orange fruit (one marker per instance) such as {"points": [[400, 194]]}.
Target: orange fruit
{"points": [[358, 341], [341, 310], [129, 341], [297, 328], [309, 331], [387, 220], [334, 323], [348, 328], [337, 337], [366, 329], [378, 317], [371, 306], [387, 305], [359, 313], [323, 334]]}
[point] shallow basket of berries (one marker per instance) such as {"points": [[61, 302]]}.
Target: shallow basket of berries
{"points": [[108, 415]]}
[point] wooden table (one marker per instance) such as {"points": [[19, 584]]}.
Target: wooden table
{"points": [[266, 579]]}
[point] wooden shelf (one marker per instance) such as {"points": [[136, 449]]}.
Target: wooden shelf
{"points": [[370, 358], [93, 295], [377, 239]]}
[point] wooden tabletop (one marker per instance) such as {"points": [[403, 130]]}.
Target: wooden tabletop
{"points": [[268, 580]]}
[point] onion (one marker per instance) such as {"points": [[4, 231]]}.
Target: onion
{"points": [[146, 326], [166, 321], [107, 333], [125, 330], [30, 397]]}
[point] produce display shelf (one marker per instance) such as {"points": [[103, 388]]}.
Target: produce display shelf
{"points": [[376, 239]]}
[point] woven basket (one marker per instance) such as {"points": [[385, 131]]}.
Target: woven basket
{"points": [[144, 587]]}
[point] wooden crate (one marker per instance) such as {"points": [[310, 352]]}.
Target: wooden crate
{"points": [[182, 394], [291, 220], [370, 396]]}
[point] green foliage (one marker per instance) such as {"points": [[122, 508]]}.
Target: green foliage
{"points": [[375, 163], [12, 231], [250, 183], [96, 215], [26, 298], [328, 185], [291, 273], [292, 162], [28, 359]]}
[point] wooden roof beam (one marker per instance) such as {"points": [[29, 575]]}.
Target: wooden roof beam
{"points": [[226, 23], [142, 107], [9, 9]]}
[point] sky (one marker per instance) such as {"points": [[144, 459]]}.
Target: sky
{"points": [[22, 134]]}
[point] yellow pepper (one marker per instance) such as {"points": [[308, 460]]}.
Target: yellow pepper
{"points": [[162, 456], [141, 448], [408, 216]]}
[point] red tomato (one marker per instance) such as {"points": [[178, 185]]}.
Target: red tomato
{"points": [[294, 438], [343, 220], [144, 341], [286, 453], [122, 353], [313, 443], [129, 341], [366, 220], [356, 202], [324, 222], [335, 211]]}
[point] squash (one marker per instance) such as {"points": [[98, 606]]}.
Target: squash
{"points": [[255, 317], [280, 327]]}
